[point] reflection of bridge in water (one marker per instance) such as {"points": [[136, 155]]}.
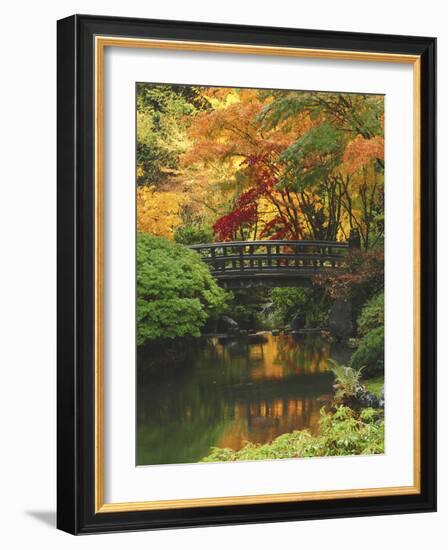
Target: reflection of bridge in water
{"points": [[247, 264], [264, 421]]}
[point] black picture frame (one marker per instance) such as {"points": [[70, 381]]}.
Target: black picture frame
{"points": [[76, 265]]}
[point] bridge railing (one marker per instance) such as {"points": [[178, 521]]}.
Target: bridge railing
{"points": [[260, 256]]}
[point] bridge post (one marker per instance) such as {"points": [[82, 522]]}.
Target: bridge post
{"points": [[213, 255], [354, 241]]}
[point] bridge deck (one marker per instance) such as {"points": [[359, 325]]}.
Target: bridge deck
{"points": [[269, 262]]}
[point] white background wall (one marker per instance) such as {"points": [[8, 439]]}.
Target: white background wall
{"points": [[27, 272]]}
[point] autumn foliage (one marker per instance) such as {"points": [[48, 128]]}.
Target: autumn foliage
{"points": [[158, 212], [260, 164], [364, 274]]}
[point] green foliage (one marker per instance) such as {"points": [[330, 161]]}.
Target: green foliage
{"points": [[370, 353], [175, 291], [375, 385], [372, 314], [246, 308], [287, 302], [324, 140], [342, 433], [192, 234], [370, 415], [327, 142], [163, 113], [347, 379], [309, 302], [352, 113], [285, 107]]}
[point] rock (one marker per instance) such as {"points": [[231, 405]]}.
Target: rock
{"points": [[340, 321], [353, 343], [381, 398], [229, 325], [327, 336], [367, 399], [275, 332]]}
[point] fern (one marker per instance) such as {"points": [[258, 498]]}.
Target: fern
{"points": [[347, 380]]}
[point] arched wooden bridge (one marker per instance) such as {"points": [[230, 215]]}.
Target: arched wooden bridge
{"points": [[246, 264]]}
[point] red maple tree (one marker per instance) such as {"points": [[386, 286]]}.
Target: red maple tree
{"points": [[245, 214]]}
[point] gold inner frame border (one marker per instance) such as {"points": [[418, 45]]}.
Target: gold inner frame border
{"points": [[101, 42]]}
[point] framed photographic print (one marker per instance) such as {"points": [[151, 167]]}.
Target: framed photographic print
{"points": [[246, 274]]}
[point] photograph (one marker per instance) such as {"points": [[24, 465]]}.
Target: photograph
{"points": [[259, 273]]}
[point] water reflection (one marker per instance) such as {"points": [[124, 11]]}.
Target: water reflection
{"points": [[229, 391]]}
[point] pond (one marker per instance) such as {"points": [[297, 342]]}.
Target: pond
{"points": [[229, 391]]}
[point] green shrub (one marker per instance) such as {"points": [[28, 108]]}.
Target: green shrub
{"points": [[309, 302], [372, 314], [342, 433], [175, 291], [370, 353], [375, 385], [191, 234], [287, 301]]}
